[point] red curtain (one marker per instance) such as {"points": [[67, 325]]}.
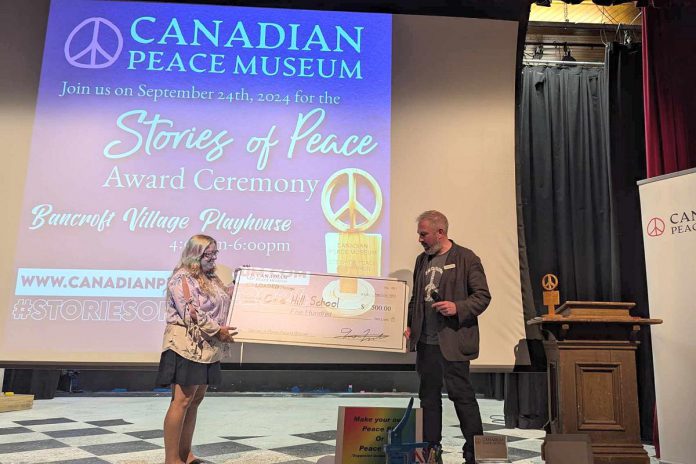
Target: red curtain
{"points": [[669, 93], [669, 90]]}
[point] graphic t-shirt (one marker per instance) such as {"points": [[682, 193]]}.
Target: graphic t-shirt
{"points": [[433, 273]]}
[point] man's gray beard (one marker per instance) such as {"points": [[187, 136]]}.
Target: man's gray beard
{"points": [[433, 250]]}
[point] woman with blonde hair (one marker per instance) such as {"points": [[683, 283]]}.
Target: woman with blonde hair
{"points": [[197, 304]]}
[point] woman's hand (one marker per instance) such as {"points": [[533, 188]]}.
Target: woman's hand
{"points": [[226, 334], [192, 311]]}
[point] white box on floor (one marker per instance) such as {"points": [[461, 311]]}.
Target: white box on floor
{"points": [[567, 448]]}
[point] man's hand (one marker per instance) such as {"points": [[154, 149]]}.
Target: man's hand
{"points": [[407, 333], [446, 308], [226, 334]]}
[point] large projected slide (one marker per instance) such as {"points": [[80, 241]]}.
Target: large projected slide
{"points": [[152, 125], [300, 140]]}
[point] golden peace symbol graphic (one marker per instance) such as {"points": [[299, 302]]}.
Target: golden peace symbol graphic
{"points": [[352, 216], [549, 282]]}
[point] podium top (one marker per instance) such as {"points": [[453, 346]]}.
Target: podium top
{"points": [[595, 308], [546, 319], [594, 312]]}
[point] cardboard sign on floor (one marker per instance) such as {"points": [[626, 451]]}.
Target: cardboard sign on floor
{"points": [[362, 432]]}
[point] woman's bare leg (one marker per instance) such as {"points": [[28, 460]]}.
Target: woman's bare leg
{"points": [[185, 453], [182, 398]]}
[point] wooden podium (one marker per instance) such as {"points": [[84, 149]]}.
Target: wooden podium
{"points": [[590, 349]]}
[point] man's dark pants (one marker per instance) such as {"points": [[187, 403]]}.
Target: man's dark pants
{"points": [[432, 368]]}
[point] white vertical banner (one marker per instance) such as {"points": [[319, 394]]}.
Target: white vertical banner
{"points": [[668, 208]]}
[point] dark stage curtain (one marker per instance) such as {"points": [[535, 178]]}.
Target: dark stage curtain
{"points": [[42, 383], [624, 113], [564, 173], [580, 153], [564, 192], [669, 64]]}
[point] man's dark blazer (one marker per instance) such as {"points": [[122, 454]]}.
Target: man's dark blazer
{"points": [[463, 282]]}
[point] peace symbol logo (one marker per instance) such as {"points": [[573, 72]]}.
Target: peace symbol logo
{"points": [[352, 216], [549, 282], [656, 227], [101, 51]]}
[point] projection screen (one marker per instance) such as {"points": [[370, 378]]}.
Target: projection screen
{"points": [[278, 132]]}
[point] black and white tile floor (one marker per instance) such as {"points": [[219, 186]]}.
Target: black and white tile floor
{"points": [[248, 429]]}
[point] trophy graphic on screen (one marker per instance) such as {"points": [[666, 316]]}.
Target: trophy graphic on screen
{"points": [[352, 251]]}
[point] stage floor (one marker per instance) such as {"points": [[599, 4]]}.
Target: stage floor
{"points": [[232, 428]]}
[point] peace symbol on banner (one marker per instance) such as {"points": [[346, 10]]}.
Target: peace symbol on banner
{"points": [[95, 55], [549, 282], [351, 216], [656, 227]]}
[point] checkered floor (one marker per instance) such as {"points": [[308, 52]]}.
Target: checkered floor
{"points": [[258, 429]]}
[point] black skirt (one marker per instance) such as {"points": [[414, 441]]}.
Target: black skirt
{"points": [[174, 368]]}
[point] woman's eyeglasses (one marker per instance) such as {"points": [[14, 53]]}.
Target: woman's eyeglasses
{"points": [[210, 254]]}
